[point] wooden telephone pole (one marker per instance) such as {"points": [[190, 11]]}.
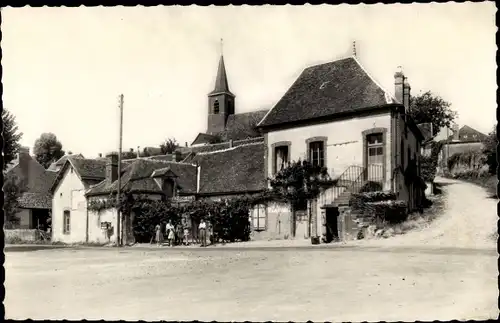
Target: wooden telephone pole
{"points": [[119, 221]]}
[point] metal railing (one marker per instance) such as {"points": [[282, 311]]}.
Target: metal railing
{"points": [[355, 177]]}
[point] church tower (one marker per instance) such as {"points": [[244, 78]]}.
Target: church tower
{"points": [[220, 101]]}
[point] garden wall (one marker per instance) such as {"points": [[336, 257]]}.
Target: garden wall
{"points": [[27, 235]]}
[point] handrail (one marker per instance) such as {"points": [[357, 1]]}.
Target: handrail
{"points": [[354, 177]]}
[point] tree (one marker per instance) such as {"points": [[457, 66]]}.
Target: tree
{"points": [[47, 149], [430, 108], [12, 188], [11, 137], [490, 150], [169, 146]]}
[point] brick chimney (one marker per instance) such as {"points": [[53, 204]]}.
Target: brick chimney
{"points": [[398, 85], [24, 158], [112, 167], [406, 94]]}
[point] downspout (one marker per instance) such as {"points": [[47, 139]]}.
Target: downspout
{"points": [[87, 222]]}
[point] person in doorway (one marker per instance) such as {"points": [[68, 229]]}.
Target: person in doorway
{"points": [[158, 234], [203, 233], [170, 233]]}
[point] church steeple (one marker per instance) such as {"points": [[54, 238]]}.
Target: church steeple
{"points": [[220, 100], [221, 84]]}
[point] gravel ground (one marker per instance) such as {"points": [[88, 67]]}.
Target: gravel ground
{"points": [[447, 271]]}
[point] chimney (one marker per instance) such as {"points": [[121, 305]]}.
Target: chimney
{"points": [[456, 132], [186, 143], [100, 155], [24, 159], [406, 94], [138, 152], [112, 167], [177, 156], [398, 85]]}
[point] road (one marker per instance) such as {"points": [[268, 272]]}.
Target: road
{"points": [[419, 276]]}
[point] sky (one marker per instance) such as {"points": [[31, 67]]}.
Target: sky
{"points": [[64, 68]]}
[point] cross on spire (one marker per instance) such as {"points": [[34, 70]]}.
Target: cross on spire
{"points": [[354, 48], [222, 46]]}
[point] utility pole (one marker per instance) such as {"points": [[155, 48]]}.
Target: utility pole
{"points": [[118, 196]]}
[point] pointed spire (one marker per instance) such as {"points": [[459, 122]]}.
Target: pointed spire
{"points": [[221, 84]]}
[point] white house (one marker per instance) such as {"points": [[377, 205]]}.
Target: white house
{"points": [[337, 116], [69, 205]]}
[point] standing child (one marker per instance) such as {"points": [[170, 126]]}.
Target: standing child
{"points": [[170, 233], [203, 233]]}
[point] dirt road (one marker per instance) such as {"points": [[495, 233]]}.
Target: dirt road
{"points": [[444, 272], [469, 221]]}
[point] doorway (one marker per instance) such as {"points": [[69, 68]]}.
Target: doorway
{"points": [[332, 230]]}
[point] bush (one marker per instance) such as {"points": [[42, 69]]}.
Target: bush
{"points": [[388, 211], [371, 187], [359, 200], [229, 219]]}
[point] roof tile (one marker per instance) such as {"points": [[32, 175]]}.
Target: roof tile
{"points": [[326, 90]]}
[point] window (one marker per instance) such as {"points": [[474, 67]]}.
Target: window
{"points": [[280, 158], [259, 218], [375, 148], [66, 222], [317, 153], [216, 107]]}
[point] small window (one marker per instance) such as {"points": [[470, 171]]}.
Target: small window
{"points": [[317, 153], [66, 222], [259, 218], [216, 107], [280, 158]]}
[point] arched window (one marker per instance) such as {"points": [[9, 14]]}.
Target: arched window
{"points": [[216, 107]]}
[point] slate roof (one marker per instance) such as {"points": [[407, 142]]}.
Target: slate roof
{"points": [[221, 84], [190, 152], [38, 182], [243, 125], [91, 171], [326, 90], [203, 138], [137, 177], [468, 134], [60, 162], [232, 171]]}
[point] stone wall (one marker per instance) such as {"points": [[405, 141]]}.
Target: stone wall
{"points": [[21, 234]]}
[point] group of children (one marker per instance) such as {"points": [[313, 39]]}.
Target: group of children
{"points": [[174, 236]]}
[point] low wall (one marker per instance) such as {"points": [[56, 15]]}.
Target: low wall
{"points": [[21, 234]]}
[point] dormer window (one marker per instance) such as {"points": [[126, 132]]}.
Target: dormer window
{"points": [[216, 107]]}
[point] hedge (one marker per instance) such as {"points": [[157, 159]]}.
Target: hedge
{"points": [[229, 220], [358, 201], [379, 206], [388, 211]]}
